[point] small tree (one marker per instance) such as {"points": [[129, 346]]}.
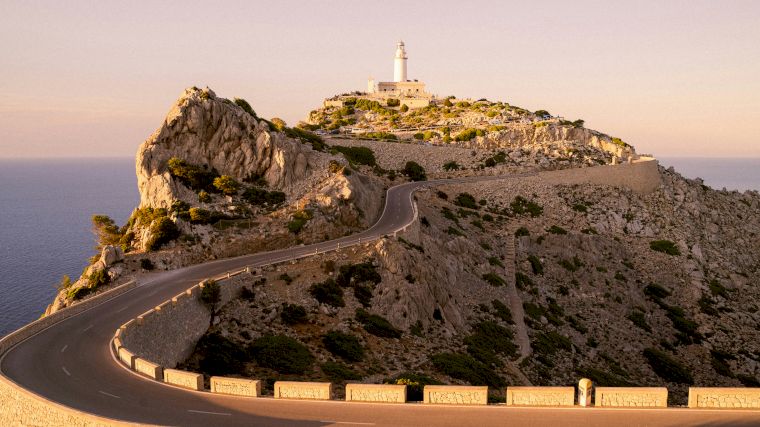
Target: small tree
{"points": [[279, 124], [414, 171], [404, 108], [227, 185], [106, 230], [210, 296]]}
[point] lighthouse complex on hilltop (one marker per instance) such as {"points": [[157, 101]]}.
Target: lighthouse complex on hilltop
{"points": [[409, 92]]}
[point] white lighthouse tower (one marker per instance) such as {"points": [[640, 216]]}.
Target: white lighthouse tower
{"points": [[399, 63]]}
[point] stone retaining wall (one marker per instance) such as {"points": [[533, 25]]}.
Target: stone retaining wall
{"points": [[724, 398], [302, 390], [386, 393], [455, 395], [540, 396], [236, 386], [640, 397], [641, 176]]}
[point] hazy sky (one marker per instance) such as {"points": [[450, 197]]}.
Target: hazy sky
{"points": [[96, 78]]}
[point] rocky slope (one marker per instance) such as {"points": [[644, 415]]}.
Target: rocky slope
{"points": [[215, 181], [600, 297]]}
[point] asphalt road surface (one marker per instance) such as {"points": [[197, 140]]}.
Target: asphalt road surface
{"points": [[71, 363]]}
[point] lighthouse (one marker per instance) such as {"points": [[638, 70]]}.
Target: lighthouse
{"points": [[399, 63]]}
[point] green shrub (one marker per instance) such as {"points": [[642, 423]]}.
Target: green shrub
{"points": [[639, 320], [242, 103], [146, 264], [466, 200], [211, 294], [227, 185], [656, 292], [494, 279], [299, 220], [523, 282], [98, 278], [279, 124], [377, 325], [162, 231], [379, 135], [580, 207], [667, 368], [328, 292], [339, 373], [258, 196], [357, 155], [451, 166], [488, 339], [351, 274], [665, 246], [363, 294], [414, 382], [393, 102], [454, 231], [466, 134], [536, 265], [343, 345], [281, 353], [555, 229], [502, 311], [204, 197], [466, 368], [316, 141], [199, 216], [687, 327], [404, 108], [220, 356], [414, 171], [522, 231], [194, 177], [718, 360], [548, 343], [521, 206], [717, 289], [495, 261], [292, 314]]}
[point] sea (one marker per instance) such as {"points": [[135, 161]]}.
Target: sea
{"points": [[46, 206]]}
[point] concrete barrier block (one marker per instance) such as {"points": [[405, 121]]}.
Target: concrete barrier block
{"points": [[638, 397], [302, 390], [236, 386], [388, 393], [540, 396], [127, 357], [455, 395], [724, 397], [149, 369], [116, 344], [184, 379]]}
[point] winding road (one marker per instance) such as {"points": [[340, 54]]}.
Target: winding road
{"points": [[71, 363]]}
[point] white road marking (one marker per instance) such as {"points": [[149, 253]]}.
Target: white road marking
{"points": [[87, 328], [207, 412], [66, 371], [64, 348], [347, 422], [109, 394], [121, 309]]}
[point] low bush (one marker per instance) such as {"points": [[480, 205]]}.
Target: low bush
{"points": [[377, 325], [194, 177], [522, 231], [502, 311], [414, 171], [328, 292], [242, 103], [451, 166], [259, 196], [220, 356], [638, 319], [211, 294], [667, 368], [281, 353], [227, 185], [523, 282], [522, 206], [339, 373], [665, 246], [548, 343], [555, 229], [162, 231], [357, 155], [535, 264], [146, 264], [292, 314], [467, 368], [393, 102], [656, 292], [351, 274], [488, 339], [414, 382], [299, 220], [494, 279], [495, 261], [717, 289], [343, 345], [466, 200]]}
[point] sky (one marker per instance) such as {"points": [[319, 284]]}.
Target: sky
{"points": [[96, 78]]}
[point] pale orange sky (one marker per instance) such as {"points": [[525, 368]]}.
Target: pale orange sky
{"points": [[96, 78]]}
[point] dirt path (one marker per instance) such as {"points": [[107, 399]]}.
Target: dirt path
{"points": [[515, 303]]}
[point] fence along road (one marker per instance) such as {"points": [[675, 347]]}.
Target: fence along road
{"points": [[70, 362]]}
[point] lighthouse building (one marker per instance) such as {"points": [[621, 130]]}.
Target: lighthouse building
{"points": [[401, 86]]}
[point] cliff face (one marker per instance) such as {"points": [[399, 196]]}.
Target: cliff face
{"points": [[205, 130]]}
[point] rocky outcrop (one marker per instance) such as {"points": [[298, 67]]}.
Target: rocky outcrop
{"points": [[202, 129]]}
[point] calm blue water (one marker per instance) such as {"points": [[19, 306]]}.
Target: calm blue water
{"points": [[732, 173], [46, 205], [45, 210]]}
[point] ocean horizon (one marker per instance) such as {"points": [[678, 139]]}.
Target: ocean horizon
{"points": [[46, 206]]}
